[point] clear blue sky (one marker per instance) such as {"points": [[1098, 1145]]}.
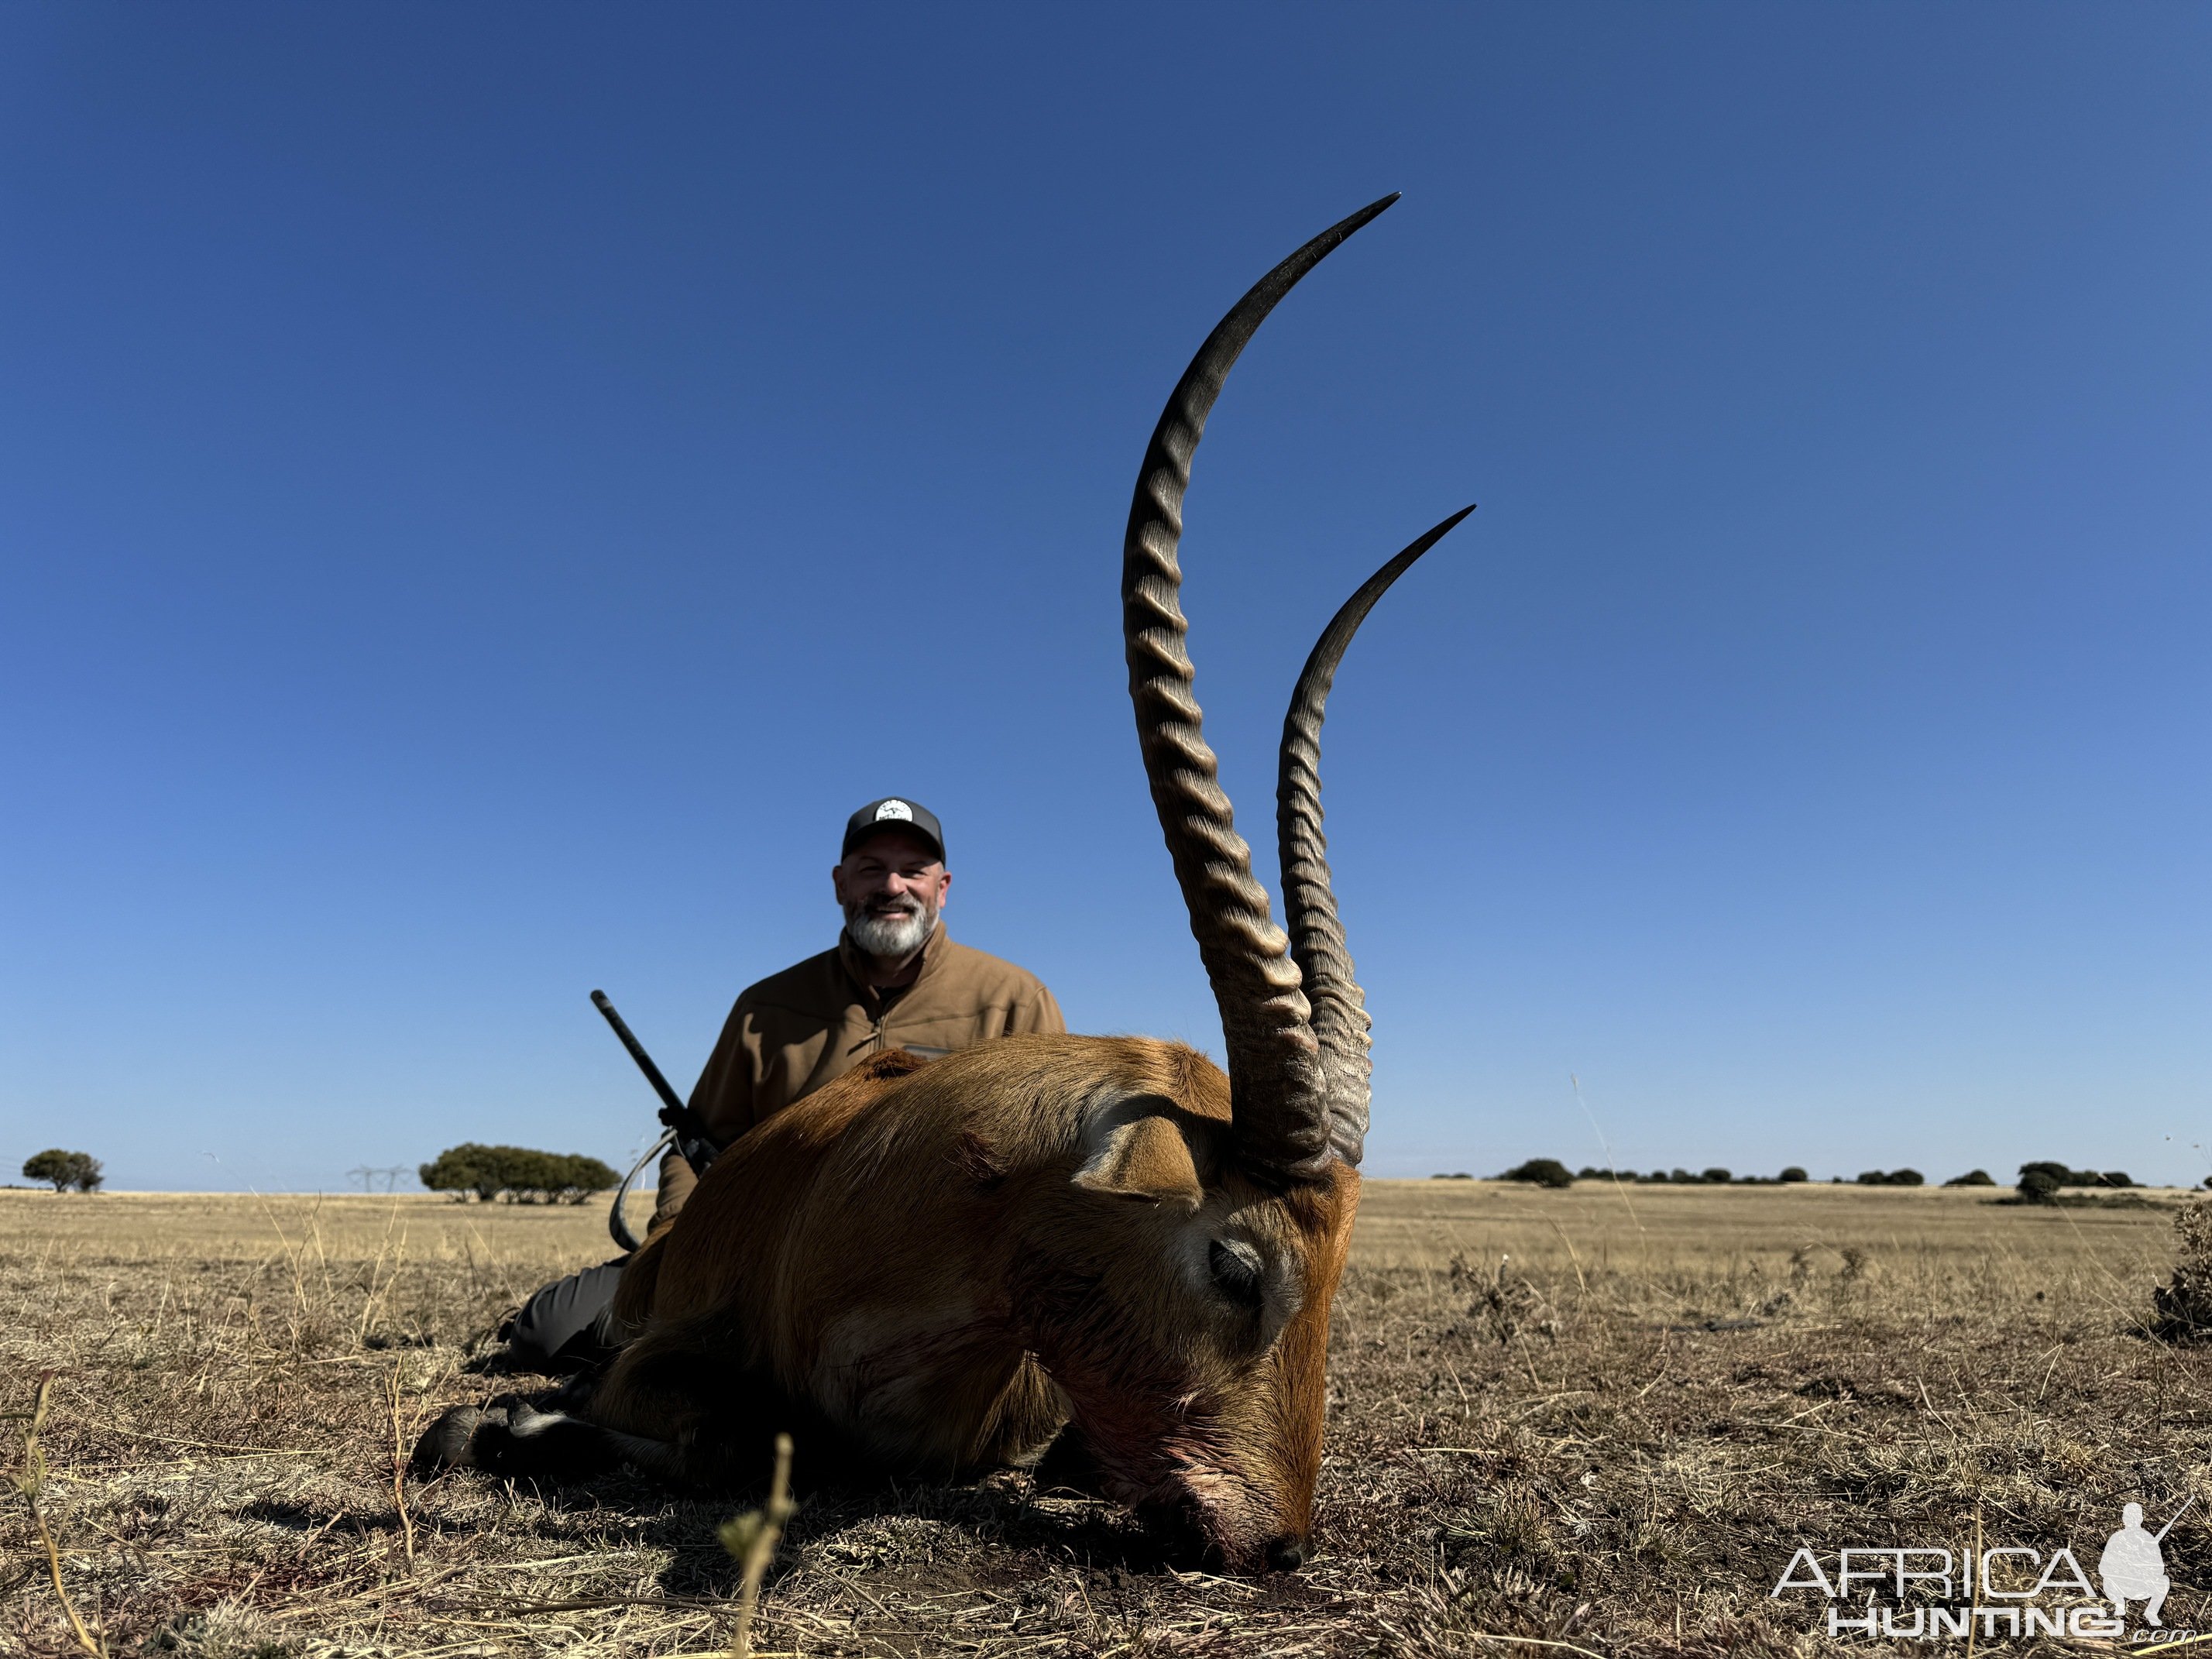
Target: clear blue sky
{"points": [[484, 490]]}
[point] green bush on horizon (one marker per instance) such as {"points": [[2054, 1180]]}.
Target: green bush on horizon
{"points": [[521, 1174], [2062, 1176], [2039, 1186], [65, 1168], [1543, 1171]]}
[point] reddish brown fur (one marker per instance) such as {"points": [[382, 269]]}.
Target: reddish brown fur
{"points": [[939, 1264]]}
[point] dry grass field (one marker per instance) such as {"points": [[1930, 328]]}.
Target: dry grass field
{"points": [[1592, 1421]]}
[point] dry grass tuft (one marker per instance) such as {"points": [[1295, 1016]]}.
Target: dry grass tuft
{"points": [[1558, 1423], [2183, 1302]]}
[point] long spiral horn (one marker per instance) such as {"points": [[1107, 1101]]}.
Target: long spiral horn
{"points": [[1276, 1079], [1337, 1010]]}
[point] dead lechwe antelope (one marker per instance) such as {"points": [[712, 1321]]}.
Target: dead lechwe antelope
{"points": [[938, 1267]]}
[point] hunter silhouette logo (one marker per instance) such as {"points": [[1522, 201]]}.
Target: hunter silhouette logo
{"points": [[2006, 1589], [2133, 1568]]}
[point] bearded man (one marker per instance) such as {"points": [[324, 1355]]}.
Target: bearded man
{"points": [[893, 980]]}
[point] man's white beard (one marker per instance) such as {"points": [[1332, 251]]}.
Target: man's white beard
{"points": [[891, 935]]}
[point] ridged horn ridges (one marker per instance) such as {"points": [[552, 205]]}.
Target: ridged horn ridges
{"points": [[1277, 1086], [1338, 1010]]}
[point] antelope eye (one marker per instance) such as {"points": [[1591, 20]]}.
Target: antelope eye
{"points": [[1235, 1268]]}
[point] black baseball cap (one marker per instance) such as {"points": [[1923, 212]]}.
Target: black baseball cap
{"points": [[893, 813]]}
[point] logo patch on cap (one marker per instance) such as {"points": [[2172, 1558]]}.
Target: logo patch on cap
{"points": [[895, 809]]}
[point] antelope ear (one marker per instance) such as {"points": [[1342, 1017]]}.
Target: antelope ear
{"points": [[1143, 1157]]}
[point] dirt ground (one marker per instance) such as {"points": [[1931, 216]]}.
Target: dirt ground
{"points": [[1597, 1421]]}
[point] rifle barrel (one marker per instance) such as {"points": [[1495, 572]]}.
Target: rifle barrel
{"points": [[669, 1098], [2168, 1526]]}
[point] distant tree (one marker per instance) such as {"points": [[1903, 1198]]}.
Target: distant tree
{"points": [[1793, 1173], [582, 1176], [1718, 1177], [1590, 1172], [2067, 1177], [521, 1173], [1971, 1178], [2039, 1186], [1543, 1171], [1873, 1178], [467, 1168], [77, 1169], [1907, 1178], [1683, 1175]]}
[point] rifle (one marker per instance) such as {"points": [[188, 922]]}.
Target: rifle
{"points": [[684, 1128], [2168, 1526]]}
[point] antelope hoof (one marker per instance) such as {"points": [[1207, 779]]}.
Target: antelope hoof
{"points": [[450, 1442]]}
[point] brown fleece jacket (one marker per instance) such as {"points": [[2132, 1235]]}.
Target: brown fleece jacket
{"points": [[814, 1021]]}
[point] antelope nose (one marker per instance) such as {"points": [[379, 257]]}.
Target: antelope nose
{"points": [[1286, 1555]]}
